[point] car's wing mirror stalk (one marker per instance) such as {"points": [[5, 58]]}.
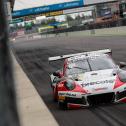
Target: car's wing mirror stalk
{"points": [[57, 74]]}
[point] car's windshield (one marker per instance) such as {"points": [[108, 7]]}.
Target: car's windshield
{"points": [[78, 67], [90, 64], [101, 63]]}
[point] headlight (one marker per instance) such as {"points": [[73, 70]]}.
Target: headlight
{"points": [[69, 84], [122, 75]]}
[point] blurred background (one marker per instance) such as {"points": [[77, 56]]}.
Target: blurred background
{"points": [[28, 17]]}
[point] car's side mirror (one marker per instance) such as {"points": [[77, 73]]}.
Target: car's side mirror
{"points": [[122, 64], [57, 74]]}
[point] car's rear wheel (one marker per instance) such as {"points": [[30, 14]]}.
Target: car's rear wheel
{"points": [[63, 105]]}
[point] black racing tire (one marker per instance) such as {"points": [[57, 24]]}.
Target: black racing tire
{"points": [[55, 94], [63, 106]]}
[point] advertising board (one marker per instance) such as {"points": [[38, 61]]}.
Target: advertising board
{"points": [[31, 7], [76, 10], [47, 6], [89, 2]]}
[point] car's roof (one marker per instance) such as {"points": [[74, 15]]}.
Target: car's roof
{"points": [[83, 57]]}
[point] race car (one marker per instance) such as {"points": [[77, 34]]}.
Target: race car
{"points": [[87, 79]]}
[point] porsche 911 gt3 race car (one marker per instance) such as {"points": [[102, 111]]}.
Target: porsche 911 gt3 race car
{"points": [[88, 78]]}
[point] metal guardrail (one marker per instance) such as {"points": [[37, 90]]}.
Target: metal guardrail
{"points": [[110, 24], [106, 24]]}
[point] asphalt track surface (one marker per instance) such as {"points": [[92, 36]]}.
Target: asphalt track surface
{"points": [[33, 56]]}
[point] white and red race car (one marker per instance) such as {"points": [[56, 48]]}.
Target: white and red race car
{"points": [[87, 79]]}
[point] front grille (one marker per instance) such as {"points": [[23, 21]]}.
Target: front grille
{"points": [[101, 98], [120, 95], [76, 100]]}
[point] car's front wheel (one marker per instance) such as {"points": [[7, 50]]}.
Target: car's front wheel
{"points": [[63, 105], [55, 94]]}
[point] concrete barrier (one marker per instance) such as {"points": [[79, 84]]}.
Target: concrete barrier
{"points": [[32, 109], [117, 31]]}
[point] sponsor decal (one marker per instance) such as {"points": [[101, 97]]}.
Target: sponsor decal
{"points": [[55, 13], [99, 89], [61, 98], [67, 94], [97, 83]]}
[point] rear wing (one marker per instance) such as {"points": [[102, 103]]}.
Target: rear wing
{"points": [[105, 51]]}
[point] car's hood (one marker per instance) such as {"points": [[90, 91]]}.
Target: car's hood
{"points": [[97, 81]]}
